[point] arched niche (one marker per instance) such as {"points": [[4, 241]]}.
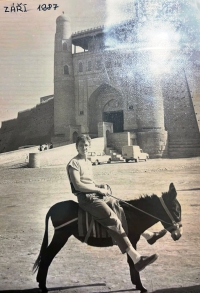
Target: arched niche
{"points": [[74, 136], [104, 99]]}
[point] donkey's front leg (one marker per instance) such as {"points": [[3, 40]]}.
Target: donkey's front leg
{"points": [[135, 276]]}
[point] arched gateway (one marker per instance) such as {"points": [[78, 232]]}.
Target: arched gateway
{"points": [[106, 104]]}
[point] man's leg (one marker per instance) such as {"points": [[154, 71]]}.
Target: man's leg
{"points": [[102, 213]]}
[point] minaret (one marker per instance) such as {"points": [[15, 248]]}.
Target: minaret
{"points": [[64, 101]]}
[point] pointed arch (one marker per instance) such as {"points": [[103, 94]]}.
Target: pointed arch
{"points": [[66, 69], [104, 99], [74, 136]]}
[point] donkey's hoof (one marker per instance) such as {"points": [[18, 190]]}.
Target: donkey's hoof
{"points": [[43, 288], [141, 288]]}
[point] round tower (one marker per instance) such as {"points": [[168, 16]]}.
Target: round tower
{"points": [[64, 101], [151, 135]]}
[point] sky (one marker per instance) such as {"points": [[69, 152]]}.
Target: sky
{"points": [[27, 43]]}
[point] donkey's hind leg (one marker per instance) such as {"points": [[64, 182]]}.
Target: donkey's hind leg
{"points": [[58, 241]]}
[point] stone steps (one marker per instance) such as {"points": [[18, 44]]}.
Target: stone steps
{"points": [[180, 148], [183, 155], [191, 141], [188, 146]]}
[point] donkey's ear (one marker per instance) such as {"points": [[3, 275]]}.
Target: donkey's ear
{"points": [[172, 191]]}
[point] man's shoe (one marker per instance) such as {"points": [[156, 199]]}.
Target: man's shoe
{"points": [[145, 261], [156, 236]]}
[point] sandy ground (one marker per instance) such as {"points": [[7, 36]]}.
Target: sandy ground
{"points": [[26, 195]]}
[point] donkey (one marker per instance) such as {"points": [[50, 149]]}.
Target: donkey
{"points": [[140, 214]]}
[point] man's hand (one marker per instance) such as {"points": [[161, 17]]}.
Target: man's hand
{"points": [[103, 186], [103, 191]]}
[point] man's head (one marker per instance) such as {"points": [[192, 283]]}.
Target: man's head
{"points": [[83, 143]]}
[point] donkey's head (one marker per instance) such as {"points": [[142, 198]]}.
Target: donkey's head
{"points": [[171, 213]]}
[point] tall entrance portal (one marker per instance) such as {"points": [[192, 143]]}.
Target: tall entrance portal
{"points": [[115, 117], [106, 104]]}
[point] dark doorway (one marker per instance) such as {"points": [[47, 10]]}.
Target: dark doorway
{"points": [[75, 135], [115, 117]]}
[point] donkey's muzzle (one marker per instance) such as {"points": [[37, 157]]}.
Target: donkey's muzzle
{"points": [[176, 234]]}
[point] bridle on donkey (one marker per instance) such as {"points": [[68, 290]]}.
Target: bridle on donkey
{"points": [[175, 225]]}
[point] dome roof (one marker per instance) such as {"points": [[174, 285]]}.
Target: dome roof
{"points": [[62, 18]]}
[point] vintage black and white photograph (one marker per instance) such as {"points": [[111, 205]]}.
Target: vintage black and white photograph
{"points": [[100, 146]]}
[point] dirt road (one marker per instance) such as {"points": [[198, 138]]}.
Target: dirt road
{"points": [[26, 195]]}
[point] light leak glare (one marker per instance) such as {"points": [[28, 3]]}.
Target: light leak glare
{"points": [[160, 45], [118, 11], [165, 30]]}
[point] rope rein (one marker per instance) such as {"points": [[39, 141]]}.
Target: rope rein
{"points": [[174, 224], [140, 210]]}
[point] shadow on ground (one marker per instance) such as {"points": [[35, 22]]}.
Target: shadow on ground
{"points": [[197, 188], [192, 289], [36, 290]]}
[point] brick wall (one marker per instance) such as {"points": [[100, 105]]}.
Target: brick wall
{"points": [[31, 127], [194, 85], [180, 120], [118, 140], [6, 132]]}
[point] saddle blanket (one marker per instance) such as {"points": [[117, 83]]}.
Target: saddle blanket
{"points": [[98, 231]]}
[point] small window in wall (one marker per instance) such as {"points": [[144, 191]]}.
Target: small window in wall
{"points": [[81, 112], [89, 65], [66, 69], [80, 67], [64, 45]]}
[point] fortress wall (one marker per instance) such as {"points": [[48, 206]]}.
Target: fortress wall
{"points": [[5, 138], [33, 126], [43, 118], [6, 132], [8, 125], [130, 110], [180, 120], [194, 85], [24, 114], [118, 140]]}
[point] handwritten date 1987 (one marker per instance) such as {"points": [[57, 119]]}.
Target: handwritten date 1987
{"points": [[19, 7], [45, 7]]}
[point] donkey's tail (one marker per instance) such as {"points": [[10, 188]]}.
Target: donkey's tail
{"points": [[44, 245]]}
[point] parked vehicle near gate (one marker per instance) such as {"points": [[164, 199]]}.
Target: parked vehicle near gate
{"points": [[97, 158], [133, 153]]}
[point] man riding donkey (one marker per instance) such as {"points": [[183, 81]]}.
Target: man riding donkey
{"points": [[93, 199]]}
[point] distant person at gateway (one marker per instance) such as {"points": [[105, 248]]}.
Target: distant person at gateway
{"points": [[91, 199]]}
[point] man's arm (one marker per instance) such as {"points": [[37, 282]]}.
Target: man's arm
{"points": [[82, 187]]}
